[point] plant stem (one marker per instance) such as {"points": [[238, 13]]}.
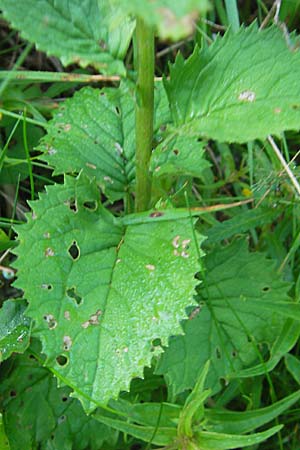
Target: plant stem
{"points": [[144, 112]]}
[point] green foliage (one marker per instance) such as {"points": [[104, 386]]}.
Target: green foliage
{"points": [[38, 412], [72, 30], [159, 344], [225, 91], [231, 323], [115, 296]]}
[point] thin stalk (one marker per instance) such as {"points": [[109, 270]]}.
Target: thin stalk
{"points": [[232, 14], [144, 113]]}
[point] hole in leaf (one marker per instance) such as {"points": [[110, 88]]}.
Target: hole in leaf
{"points": [[117, 110], [156, 342], [234, 353], [13, 393], [62, 360], [91, 206], [65, 398], [218, 353], [72, 205], [74, 251], [32, 357], [266, 289], [176, 151], [72, 294]]}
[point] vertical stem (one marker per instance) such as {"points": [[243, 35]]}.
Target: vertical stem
{"points": [[144, 113]]}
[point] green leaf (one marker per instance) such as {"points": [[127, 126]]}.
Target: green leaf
{"points": [[219, 441], [240, 223], [173, 20], [82, 31], [158, 436], [231, 323], [95, 131], [103, 293], [285, 341], [193, 411], [14, 328], [179, 156], [4, 444], [86, 133], [37, 412], [244, 86], [223, 421], [293, 366]]}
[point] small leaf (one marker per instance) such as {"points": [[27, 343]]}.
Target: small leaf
{"points": [[103, 292], [231, 323], [219, 441], [239, 88], [224, 421], [82, 31], [14, 328], [36, 411]]}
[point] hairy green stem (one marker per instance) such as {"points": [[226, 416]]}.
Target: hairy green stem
{"points": [[144, 113]]}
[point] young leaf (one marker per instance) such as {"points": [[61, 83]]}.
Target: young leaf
{"points": [[105, 296], [81, 31], [14, 328], [244, 86], [36, 411], [173, 20], [218, 441], [224, 421], [231, 323]]}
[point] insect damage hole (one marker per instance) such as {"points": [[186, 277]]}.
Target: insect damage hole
{"points": [[90, 205], [62, 360], [74, 251], [67, 343], [71, 293]]}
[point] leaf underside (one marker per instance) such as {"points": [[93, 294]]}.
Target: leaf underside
{"points": [[243, 87], [80, 31], [229, 328], [102, 294]]}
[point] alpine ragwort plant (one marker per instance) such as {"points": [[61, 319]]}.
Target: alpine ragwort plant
{"points": [[106, 291]]}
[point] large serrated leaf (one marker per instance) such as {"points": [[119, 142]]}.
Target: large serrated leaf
{"points": [[81, 31], [232, 323], [173, 20], [102, 293], [244, 86], [36, 411], [87, 134], [95, 131]]}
